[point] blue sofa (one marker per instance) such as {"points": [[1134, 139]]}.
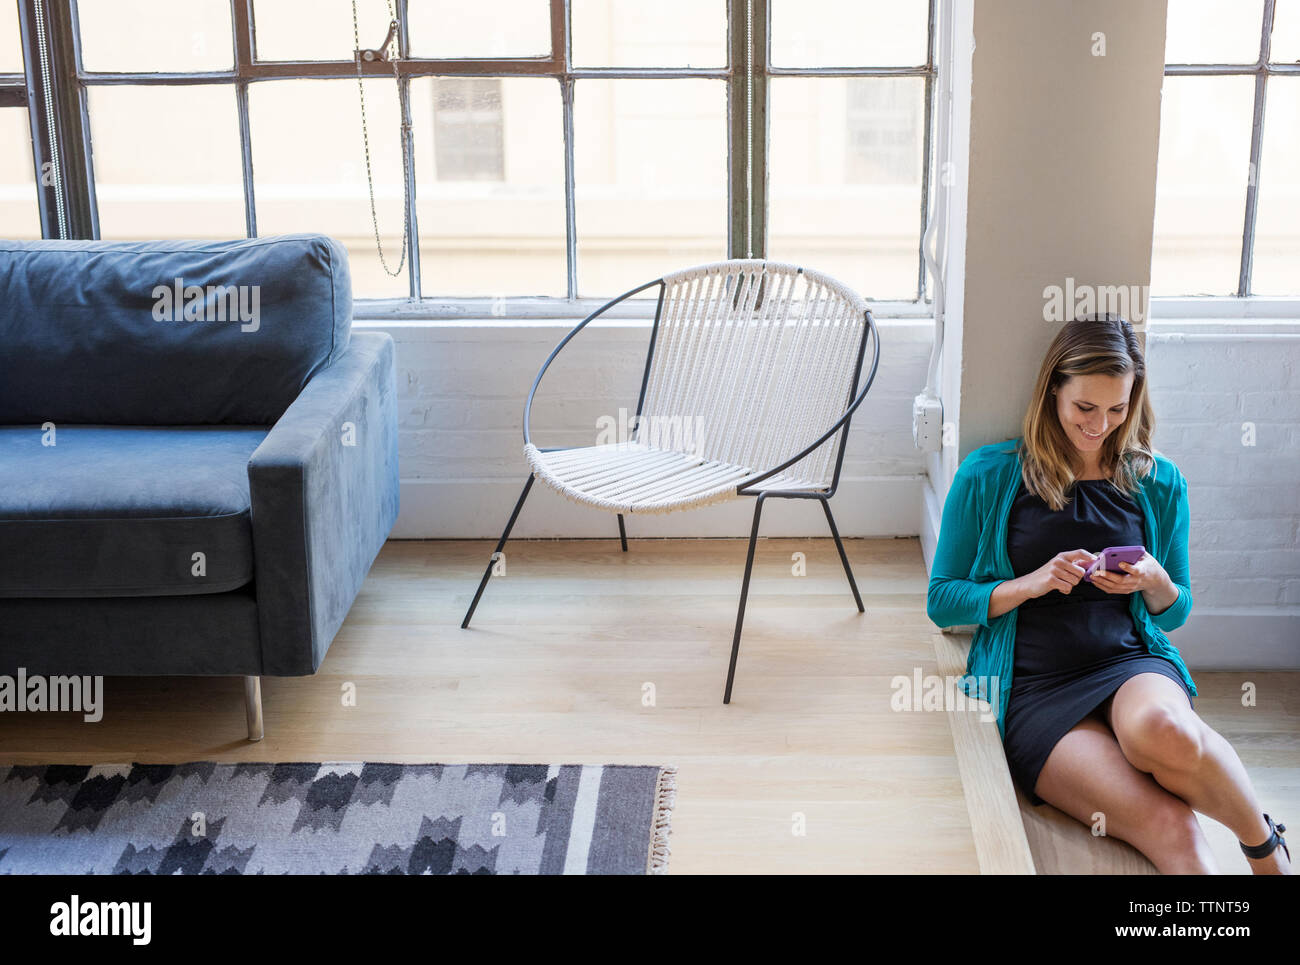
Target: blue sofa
{"points": [[198, 458]]}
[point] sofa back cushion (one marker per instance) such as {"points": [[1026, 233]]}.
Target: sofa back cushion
{"points": [[167, 332]]}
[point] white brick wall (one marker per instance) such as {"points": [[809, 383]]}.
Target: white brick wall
{"points": [[1244, 499], [1208, 380], [461, 391]]}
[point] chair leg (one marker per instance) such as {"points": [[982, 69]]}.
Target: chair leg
{"points": [[501, 544], [848, 571], [622, 533], [744, 595], [253, 707]]}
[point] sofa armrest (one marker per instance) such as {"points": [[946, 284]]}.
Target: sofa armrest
{"points": [[324, 487]]}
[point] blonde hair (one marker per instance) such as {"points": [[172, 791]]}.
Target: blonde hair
{"points": [[1049, 461]]}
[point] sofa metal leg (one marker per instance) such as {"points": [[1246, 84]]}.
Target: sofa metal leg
{"points": [[622, 532], [253, 707]]}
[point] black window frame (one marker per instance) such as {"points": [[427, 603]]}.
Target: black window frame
{"points": [[68, 204], [1262, 69]]}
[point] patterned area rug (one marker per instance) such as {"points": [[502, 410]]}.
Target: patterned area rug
{"points": [[209, 818]]}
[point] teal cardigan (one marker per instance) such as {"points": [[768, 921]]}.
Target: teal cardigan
{"points": [[971, 559]]}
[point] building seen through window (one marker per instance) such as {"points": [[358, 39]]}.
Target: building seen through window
{"points": [[467, 129]]}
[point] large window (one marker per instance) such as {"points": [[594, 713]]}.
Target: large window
{"points": [[557, 149], [1228, 187]]}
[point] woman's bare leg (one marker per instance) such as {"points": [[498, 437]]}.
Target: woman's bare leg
{"points": [[1160, 734], [1087, 773]]}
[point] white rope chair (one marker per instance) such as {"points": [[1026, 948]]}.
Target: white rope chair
{"points": [[749, 385]]}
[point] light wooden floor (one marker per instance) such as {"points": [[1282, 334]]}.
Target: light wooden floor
{"points": [[558, 659]]}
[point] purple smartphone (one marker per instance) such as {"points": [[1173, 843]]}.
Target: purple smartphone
{"points": [[1111, 556]]}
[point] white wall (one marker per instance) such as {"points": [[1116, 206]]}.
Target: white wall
{"points": [[1062, 182], [1227, 402], [461, 391]]}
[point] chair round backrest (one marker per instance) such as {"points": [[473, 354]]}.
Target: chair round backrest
{"points": [[752, 362]]}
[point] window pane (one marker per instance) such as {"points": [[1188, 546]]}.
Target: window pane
{"points": [[1201, 184], [468, 129], [316, 29], [1276, 268], [849, 33], [851, 205], [11, 45], [651, 175], [490, 166], [1285, 48], [633, 33], [310, 175], [1213, 31], [484, 28], [151, 183], [149, 35], [19, 215]]}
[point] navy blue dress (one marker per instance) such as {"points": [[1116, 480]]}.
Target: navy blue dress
{"points": [[1074, 650]]}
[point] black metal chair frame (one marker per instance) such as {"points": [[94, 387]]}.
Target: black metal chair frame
{"points": [[743, 489]]}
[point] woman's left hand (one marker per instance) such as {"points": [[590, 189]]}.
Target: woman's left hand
{"points": [[1145, 574]]}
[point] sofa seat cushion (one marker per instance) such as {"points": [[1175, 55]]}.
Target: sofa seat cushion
{"points": [[124, 510]]}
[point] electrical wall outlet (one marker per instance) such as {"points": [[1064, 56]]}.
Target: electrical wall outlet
{"points": [[927, 423]]}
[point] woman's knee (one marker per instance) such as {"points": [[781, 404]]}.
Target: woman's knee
{"points": [[1161, 734]]}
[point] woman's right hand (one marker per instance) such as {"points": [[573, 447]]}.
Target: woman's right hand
{"points": [[1062, 572]]}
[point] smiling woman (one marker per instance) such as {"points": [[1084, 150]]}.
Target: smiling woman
{"points": [[1092, 405], [1090, 421], [1096, 703]]}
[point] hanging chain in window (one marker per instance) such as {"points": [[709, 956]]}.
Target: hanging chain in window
{"points": [[386, 51]]}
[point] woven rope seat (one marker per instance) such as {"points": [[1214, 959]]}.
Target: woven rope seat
{"points": [[751, 362], [629, 477]]}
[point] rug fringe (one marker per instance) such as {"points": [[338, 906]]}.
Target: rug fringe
{"points": [[665, 801]]}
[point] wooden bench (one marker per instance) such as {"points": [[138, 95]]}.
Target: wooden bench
{"points": [[1011, 835]]}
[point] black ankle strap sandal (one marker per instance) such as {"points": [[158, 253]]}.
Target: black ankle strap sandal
{"points": [[1268, 847]]}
